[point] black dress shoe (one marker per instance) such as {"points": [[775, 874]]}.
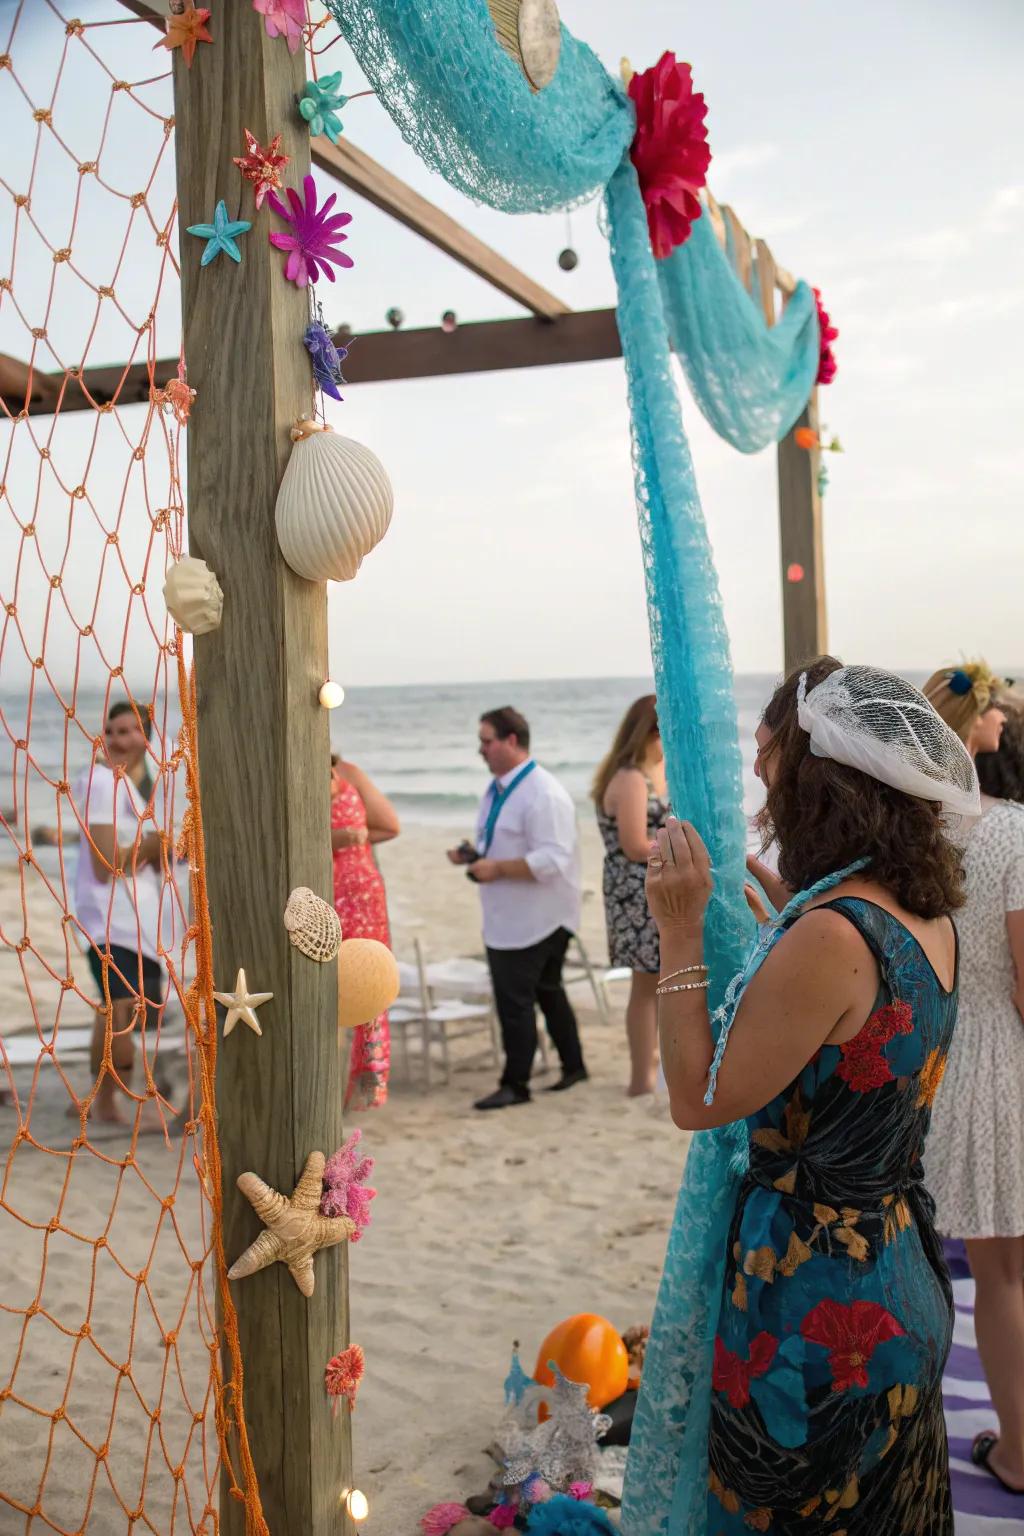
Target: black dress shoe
{"points": [[568, 1080], [504, 1097]]}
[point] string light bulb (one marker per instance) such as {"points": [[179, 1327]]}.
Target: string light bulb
{"points": [[331, 695], [356, 1504]]}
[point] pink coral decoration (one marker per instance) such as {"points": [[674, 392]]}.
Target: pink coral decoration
{"points": [[342, 1375], [503, 1518], [580, 1491], [344, 1190], [283, 18], [827, 365], [439, 1520], [312, 249], [670, 150]]}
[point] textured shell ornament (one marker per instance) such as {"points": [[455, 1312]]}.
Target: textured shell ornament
{"points": [[334, 504], [313, 925], [193, 596]]}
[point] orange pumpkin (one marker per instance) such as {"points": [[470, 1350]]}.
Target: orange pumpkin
{"points": [[585, 1348]]}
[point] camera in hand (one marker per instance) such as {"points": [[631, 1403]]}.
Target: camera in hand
{"points": [[467, 852]]}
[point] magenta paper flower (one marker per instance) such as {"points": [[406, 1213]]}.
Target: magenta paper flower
{"points": [[827, 365], [311, 249], [283, 18]]}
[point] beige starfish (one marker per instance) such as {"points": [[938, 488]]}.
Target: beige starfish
{"points": [[242, 1004], [294, 1230]]}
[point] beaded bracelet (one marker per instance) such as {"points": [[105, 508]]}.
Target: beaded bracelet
{"points": [[684, 970], [684, 986]]}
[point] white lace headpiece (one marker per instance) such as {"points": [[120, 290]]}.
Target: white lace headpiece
{"points": [[881, 724]]}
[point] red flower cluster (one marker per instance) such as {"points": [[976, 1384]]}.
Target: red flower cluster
{"points": [[670, 150], [827, 365], [863, 1066], [732, 1374], [342, 1375], [851, 1334]]}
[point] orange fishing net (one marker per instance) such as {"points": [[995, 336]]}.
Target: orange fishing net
{"points": [[115, 1411]]}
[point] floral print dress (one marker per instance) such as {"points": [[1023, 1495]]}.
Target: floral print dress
{"points": [[361, 904], [836, 1319], [632, 932]]}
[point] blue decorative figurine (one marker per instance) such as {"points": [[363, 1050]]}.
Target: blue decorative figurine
{"points": [[320, 103], [220, 235], [326, 357]]}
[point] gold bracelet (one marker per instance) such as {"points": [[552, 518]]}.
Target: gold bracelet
{"points": [[684, 986], [684, 970]]}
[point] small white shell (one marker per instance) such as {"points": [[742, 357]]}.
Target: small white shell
{"points": [[334, 505], [193, 596], [313, 925]]}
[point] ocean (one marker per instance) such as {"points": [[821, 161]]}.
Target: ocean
{"points": [[418, 744]]}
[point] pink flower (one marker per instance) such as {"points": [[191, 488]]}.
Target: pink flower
{"points": [[311, 248], [827, 365], [670, 150], [503, 1518], [581, 1491], [343, 1373], [344, 1188], [283, 18], [439, 1520], [851, 1334]]}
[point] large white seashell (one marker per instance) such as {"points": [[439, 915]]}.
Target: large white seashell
{"points": [[334, 505], [193, 596], [313, 924]]}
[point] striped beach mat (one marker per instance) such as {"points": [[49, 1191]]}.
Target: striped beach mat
{"points": [[982, 1507]]}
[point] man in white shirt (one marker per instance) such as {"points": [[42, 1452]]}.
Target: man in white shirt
{"points": [[526, 862]]}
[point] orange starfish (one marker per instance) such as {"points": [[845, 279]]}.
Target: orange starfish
{"points": [[186, 30]]}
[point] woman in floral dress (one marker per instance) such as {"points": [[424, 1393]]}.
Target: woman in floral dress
{"points": [[825, 1330], [360, 817]]}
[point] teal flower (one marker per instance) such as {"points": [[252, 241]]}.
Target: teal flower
{"points": [[320, 103], [220, 235]]}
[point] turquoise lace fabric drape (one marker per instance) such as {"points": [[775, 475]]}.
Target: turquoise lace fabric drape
{"points": [[466, 109]]}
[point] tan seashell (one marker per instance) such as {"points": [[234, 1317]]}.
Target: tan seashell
{"points": [[313, 925], [368, 981], [531, 34], [334, 504], [193, 596]]}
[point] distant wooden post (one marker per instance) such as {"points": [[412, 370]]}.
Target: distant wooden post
{"points": [[804, 620], [263, 755]]}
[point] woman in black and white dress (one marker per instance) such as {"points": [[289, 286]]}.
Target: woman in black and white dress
{"points": [[631, 796]]}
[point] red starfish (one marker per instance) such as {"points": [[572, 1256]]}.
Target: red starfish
{"points": [[262, 166], [186, 30]]}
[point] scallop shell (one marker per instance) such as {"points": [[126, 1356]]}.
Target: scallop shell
{"points": [[530, 33], [313, 925], [334, 504], [193, 596]]}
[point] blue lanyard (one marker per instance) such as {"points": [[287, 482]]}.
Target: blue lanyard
{"points": [[498, 798]]}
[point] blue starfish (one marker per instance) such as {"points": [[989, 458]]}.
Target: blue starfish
{"points": [[220, 235], [320, 103]]}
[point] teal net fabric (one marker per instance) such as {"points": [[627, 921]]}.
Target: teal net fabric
{"points": [[464, 106], [750, 380]]}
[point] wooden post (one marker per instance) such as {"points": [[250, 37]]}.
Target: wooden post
{"points": [[263, 756], [804, 622]]}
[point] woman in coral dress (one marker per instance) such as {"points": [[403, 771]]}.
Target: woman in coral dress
{"points": [[360, 817]]}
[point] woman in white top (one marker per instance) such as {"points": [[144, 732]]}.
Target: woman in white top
{"points": [[118, 900], [975, 1157]]}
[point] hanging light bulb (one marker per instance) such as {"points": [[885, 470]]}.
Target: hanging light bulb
{"points": [[355, 1504], [331, 695], [568, 259], [449, 321], [395, 318]]}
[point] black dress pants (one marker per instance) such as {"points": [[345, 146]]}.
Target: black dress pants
{"points": [[522, 979]]}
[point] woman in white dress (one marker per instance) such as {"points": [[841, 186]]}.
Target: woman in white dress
{"points": [[975, 1159]]}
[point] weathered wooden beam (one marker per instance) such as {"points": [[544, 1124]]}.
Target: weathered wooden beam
{"points": [[801, 549], [263, 759], [765, 279], [484, 346], [350, 165]]}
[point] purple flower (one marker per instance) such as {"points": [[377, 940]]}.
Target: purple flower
{"points": [[311, 247], [327, 359]]}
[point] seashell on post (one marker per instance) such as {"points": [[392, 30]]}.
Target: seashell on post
{"points": [[334, 504]]}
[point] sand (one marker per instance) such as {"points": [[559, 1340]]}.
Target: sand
{"points": [[516, 1220]]}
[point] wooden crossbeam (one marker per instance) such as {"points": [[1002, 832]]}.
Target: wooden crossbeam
{"points": [[350, 165]]}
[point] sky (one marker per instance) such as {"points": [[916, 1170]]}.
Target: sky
{"points": [[878, 150]]}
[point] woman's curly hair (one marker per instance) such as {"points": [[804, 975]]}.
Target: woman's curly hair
{"points": [[824, 816]]}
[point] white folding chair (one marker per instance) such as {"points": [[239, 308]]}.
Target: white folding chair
{"points": [[420, 1014]]}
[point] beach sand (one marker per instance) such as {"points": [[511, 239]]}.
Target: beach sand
{"points": [[515, 1221]]}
